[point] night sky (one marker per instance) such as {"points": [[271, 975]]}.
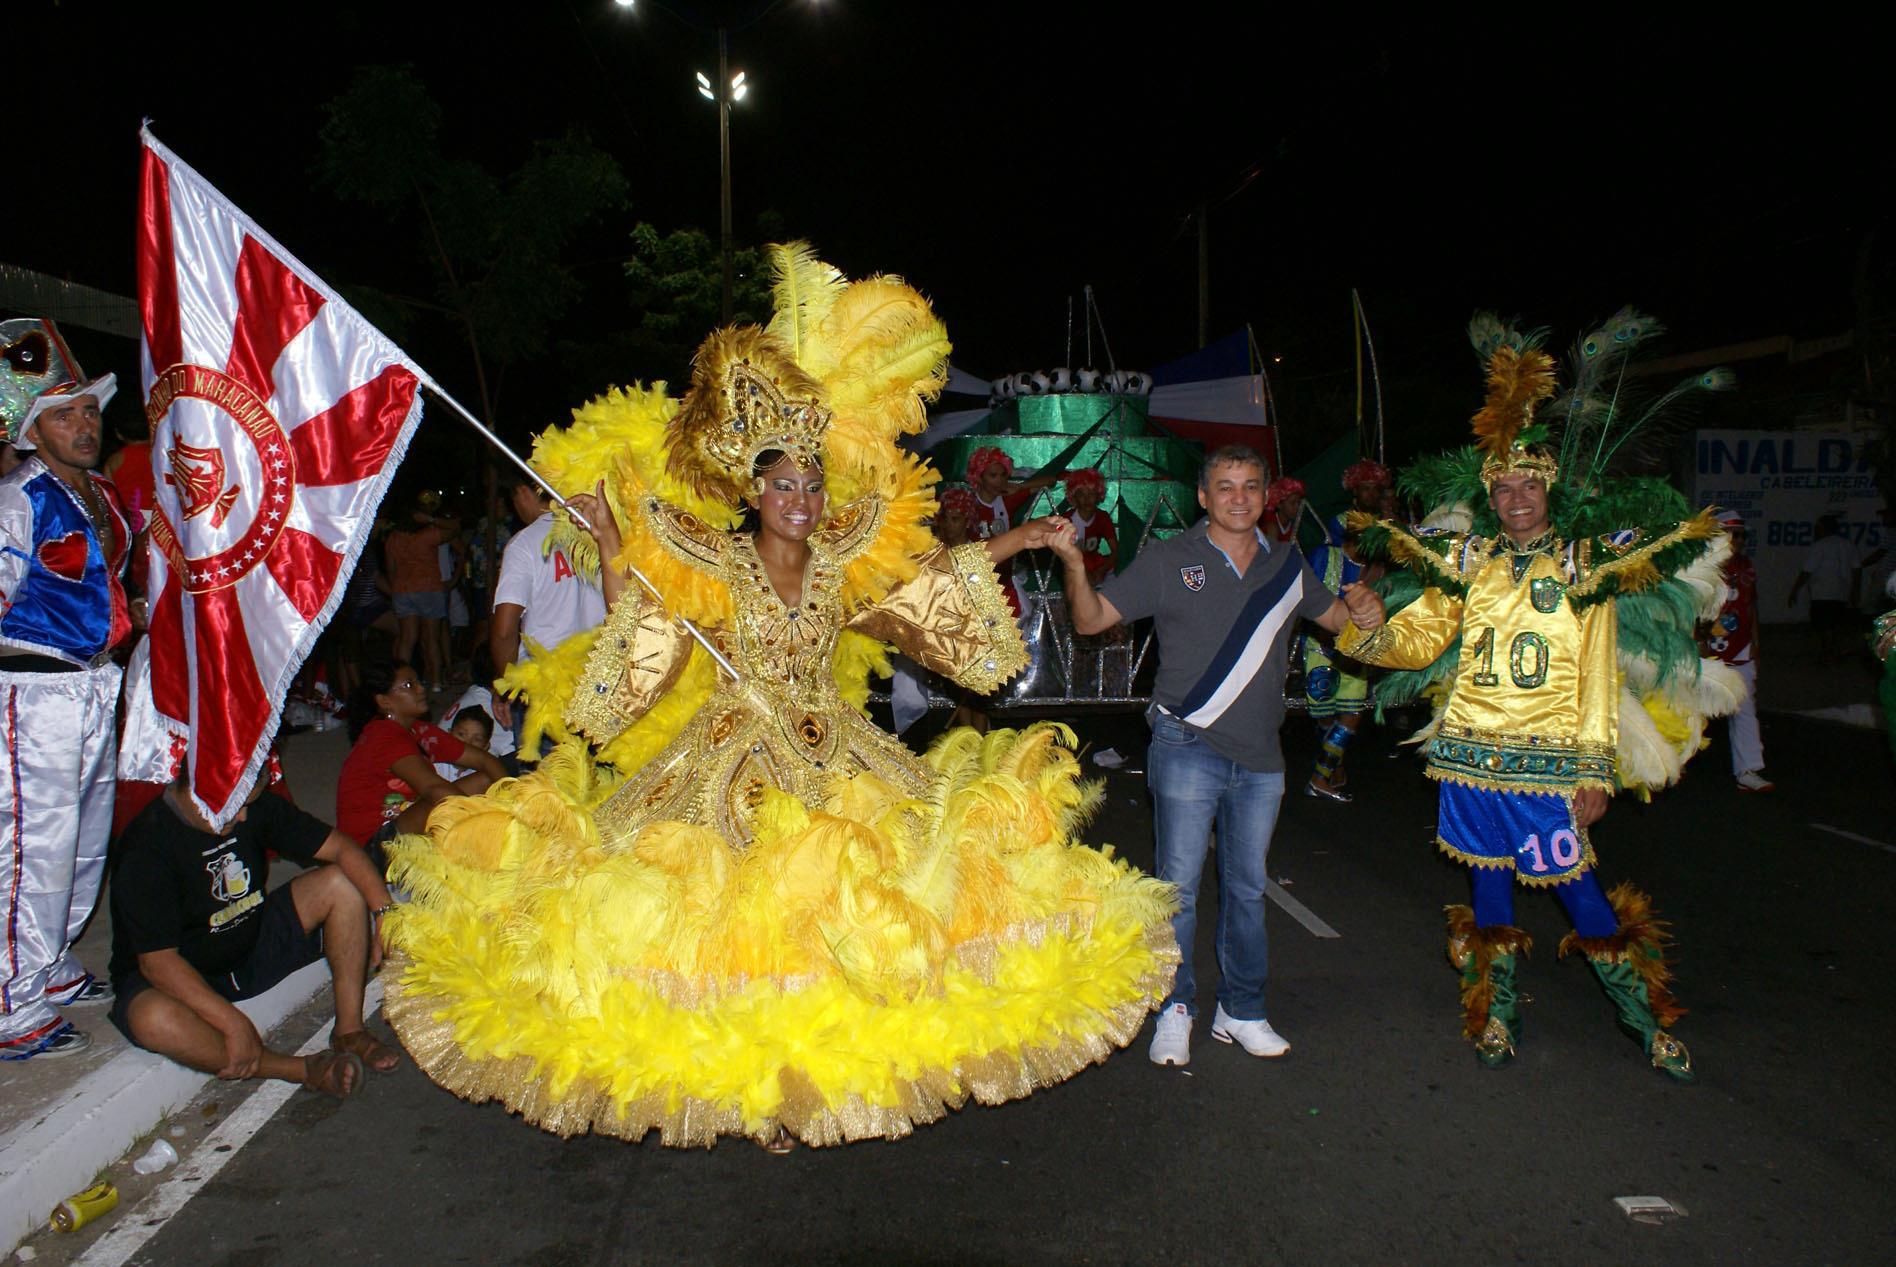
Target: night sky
{"points": [[1003, 156]]}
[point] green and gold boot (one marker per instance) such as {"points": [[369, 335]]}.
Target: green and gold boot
{"points": [[1487, 958], [1631, 967]]}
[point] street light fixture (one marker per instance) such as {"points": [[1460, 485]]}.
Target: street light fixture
{"points": [[738, 87]]}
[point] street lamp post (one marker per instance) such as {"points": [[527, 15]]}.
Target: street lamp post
{"points": [[724, 169], [729, 88]]}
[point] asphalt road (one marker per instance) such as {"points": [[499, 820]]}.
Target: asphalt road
{"points": [[1378, 1139]]}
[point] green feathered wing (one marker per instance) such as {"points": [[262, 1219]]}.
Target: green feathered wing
{"points": [[1664, 581]]}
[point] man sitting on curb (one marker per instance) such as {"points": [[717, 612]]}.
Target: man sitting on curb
{"points": [[193, 931]]}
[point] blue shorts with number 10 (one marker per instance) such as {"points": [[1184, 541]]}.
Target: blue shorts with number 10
{"points": [[1533, 832]]}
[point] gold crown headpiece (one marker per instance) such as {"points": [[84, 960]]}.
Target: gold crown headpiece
{"points": [[1534, 460], [747, 397], [1519, 379]]}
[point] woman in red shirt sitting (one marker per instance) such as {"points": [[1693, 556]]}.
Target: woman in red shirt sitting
{"points": [[388, 783]]}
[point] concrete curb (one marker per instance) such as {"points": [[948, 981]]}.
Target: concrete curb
{"points": [[93, 1122]]}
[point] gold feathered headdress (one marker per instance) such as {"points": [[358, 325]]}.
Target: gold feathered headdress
{"points": [[842, 369], [1518, 381], [747, 396]]}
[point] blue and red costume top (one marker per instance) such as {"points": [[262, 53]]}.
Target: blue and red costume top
{"points": [[60, 593]]}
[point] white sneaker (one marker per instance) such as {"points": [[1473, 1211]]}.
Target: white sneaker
{"points": [[1256, 1037], [1172, 1037], [1754, 781]]}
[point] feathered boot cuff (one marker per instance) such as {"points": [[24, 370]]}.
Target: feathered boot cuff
{"points": [[1486, 958], [1640, 943], [1631, 968]]}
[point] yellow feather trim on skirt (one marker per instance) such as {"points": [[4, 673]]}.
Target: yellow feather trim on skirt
{"points": [[864, 966]]}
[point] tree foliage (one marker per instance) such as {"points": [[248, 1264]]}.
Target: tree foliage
{"points": [[496, 243], [678, 289]]}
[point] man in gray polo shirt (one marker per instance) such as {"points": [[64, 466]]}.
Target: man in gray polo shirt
{"points": [[1224, 603]]}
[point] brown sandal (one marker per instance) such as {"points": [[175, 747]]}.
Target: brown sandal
{"points": [[373, 1052], [337, 1073]]}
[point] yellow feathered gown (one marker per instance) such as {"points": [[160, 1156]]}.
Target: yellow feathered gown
{"points": [[766, 912]]}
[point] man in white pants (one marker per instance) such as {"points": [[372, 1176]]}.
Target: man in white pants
{"points": [[1733, 638], [63, 546]]}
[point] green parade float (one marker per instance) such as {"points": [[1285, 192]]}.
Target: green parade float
{"points": [[1151, 493]]}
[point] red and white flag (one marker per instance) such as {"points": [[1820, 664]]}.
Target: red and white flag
{"points": [[278, 416]]}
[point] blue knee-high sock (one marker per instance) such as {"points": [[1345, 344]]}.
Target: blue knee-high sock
{"points": [[1330, 756], [1493, 895], [1586, 905]]}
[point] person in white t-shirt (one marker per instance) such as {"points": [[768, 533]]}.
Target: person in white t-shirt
{"points": [[1831, 570], [540, 599]]}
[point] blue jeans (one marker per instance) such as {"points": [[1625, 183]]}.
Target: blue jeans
{"points": [[1193, 789]]}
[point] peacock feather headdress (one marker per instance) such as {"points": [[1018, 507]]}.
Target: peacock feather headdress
{"points": [[1607, 412], [1603, 417]]}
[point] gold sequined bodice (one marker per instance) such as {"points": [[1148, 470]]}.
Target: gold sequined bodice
{"points": [[785, 651], [785, 726]]}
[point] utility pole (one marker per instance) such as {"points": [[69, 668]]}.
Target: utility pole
{"points": [[721, 94], [724, 168], [1204, 276]]}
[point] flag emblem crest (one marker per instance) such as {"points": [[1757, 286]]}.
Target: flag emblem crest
{"points": [[1193, 576], [214, 552], [197, 474]]}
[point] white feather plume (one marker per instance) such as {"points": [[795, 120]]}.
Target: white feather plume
{"points": [[1645, 758], [1720, 690], [1456, 517]]}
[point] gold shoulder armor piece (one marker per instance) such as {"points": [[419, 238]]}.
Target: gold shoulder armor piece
{"points": [[849, 531], [685, 536]]}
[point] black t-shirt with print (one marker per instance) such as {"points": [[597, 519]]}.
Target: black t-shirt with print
{"points": [[201, 893]]}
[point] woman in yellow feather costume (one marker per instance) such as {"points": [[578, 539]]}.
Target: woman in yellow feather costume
{"points": [[754, 913]]}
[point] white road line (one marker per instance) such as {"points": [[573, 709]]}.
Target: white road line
{"points": [[144, 1221], [1298, 911], [1850, 835]]}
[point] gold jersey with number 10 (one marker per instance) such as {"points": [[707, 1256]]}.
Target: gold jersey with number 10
{"points": [[1534, 702]]}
